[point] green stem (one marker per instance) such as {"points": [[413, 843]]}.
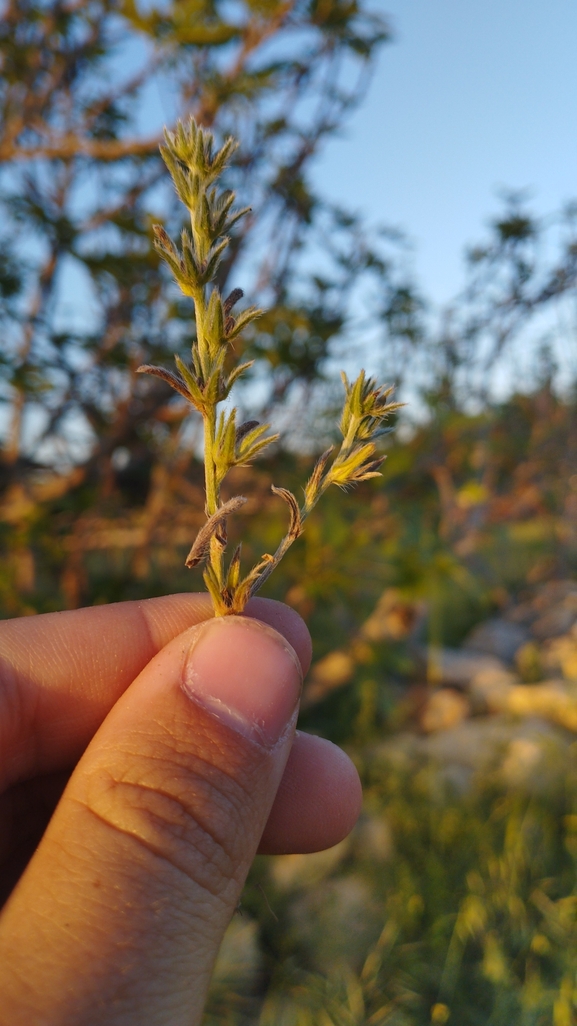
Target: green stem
{"points": [[210, 418], [212, 497], [200, 318], [212, 492]]}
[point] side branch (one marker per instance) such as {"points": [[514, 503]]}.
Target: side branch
{"points": [[73, 146]]}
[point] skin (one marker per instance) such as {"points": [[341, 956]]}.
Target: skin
{"points": [[146, 753]]}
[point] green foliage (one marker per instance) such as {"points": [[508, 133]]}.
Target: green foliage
{"points": [[444, 908]]}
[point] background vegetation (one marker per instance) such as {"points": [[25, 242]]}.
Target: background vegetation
{"points": [[453, 902]]}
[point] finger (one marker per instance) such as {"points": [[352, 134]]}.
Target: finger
{"points": [[25, 811], [317, 804], [61, 673], [318, 801], [122, 909]]}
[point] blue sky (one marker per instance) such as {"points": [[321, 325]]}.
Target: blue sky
{"points": [[471, 96]]}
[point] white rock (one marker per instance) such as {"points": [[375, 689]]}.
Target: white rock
{"points": [[497, 637]]}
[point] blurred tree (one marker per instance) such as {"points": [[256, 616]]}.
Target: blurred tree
{"points": [[523, 276]]}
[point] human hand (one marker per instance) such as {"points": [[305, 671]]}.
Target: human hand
{"points": [[176, 744]]}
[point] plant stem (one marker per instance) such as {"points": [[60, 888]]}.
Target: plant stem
{"points": [[216, 557], [212, 490], [200, 316]]}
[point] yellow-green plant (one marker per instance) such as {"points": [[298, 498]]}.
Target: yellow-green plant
{"points": [[195, 168]]}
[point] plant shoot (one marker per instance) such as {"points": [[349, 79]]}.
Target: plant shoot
{"points": [[195, 167]]}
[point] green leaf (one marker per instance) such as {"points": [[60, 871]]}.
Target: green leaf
{"points": [[212, 263], [213, 587], [167, 250], [225, 455], [253, 451], [235, 375], [238, 324], [196, 393], [214, 388], [214, 324], [233, 575]]}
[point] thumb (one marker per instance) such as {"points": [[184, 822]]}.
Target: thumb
{"points": [[120, 914]]}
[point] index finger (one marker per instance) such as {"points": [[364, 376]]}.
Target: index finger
{"points": [[61, 673]]}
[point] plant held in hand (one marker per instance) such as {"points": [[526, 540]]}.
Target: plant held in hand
{"points": [[195, 168]]}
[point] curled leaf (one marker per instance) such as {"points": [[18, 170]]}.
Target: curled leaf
{"points": [[295, 526], [233, 298], [213, 526]]}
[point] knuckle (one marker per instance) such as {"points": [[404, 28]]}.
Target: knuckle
{"points": [[190, 818]]}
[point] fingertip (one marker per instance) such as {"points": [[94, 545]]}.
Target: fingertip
{"points": [[318, 802], [247, 674], [287, 622]]}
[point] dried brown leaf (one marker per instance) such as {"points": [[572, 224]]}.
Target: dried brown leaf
{"points": [[213, 526], [233, 298], [243, 429], [295, 526], [165, 375]]}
